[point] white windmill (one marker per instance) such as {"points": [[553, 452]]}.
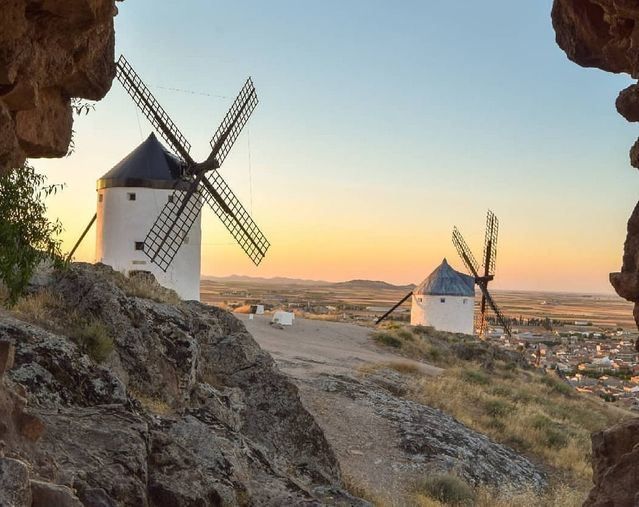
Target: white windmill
{"points": [[149, 205], [445, 300]]}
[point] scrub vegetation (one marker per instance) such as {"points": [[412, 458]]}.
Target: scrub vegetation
{"points": [[494, 392]]}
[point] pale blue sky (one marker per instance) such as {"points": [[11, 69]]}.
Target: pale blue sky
{"points": [[381, 125]]}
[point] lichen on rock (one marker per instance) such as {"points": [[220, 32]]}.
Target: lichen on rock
{"points": [[186, 410]]}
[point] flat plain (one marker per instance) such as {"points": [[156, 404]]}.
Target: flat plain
{"points": [[363, 300]]}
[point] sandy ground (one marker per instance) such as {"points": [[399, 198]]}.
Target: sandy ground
{"points": [[366, 445], [310, 347]]}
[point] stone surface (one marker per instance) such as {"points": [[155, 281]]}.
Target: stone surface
{"points": [[186, 410], [615, 456], [605, 34], [7, 356], [15, 490], [425, 439], [599, 33], [628, 103], [50, 51], [47, 495]]}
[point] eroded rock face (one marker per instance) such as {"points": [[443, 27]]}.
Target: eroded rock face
{"points": [[615, 465], [428, 440], [50, 51], [187, 410], [605, 34], [599, 33]]}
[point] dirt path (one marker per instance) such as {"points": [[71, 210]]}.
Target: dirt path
{"points": [[311, 347], [367, 444]]}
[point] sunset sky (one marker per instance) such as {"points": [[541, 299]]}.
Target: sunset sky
{"points": [[380, 126]]}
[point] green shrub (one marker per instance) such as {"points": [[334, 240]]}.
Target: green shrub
{"points": [[497, 408], [475, 377], [422, 330], [449, 489], [27, 235], [93, 339], [555, 438], [387, 339], [502, 392], [540, 422], [405, 334], [557, 385]]}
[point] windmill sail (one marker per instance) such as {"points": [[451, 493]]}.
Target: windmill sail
{"points": [[490, 255], [152, 109], [176, 218], [490, 244]]}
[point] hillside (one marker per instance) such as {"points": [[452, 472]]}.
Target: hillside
{"points": [[120, 394], [495, 393]]}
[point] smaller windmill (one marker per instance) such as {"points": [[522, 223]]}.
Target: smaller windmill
{"points": [[487, 273]]}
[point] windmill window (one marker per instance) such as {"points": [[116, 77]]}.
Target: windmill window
{"points": [[100, 197], [139, 245], [131, 196], [442, 300], [464, 300]]}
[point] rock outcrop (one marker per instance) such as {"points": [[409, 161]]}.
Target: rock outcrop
{"points": [[615, 457], [50, 51], [186, 409], [427, 440], [605, 34]]}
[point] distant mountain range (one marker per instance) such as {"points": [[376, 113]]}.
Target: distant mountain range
{"points": [[371, 284], [279, 280]]}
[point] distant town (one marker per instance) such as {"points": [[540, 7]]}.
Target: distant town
{"points": [[592, 360], [588, 339]]}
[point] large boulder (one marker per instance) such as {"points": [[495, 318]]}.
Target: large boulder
{"points": [[186, 409], [615, 457], [15, 490]]}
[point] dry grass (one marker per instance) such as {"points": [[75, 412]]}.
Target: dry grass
{"points": [[525, 410], [559, 496], [537, 414], [45, 309], [145, 287], [326, 317], [360, 490], [404, 367], [151, 403], [40, 308]]}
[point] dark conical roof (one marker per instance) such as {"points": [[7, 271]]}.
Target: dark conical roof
{"points": [[445, 281], [149, 165]]}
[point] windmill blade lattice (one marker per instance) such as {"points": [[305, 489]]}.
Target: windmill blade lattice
{"points": [[152, 109], [234, 216], [464, 252], [490, 243], [172, 226], [234, 121], [491, 302], [179, 214]]}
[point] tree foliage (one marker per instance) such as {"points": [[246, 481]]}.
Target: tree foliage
{"points": [[27, 236]]}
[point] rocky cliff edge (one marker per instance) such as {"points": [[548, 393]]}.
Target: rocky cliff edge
{"points": [[186, 409]]}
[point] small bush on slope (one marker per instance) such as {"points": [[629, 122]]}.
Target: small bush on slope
{"points": [[46, 310], [537, 414]]}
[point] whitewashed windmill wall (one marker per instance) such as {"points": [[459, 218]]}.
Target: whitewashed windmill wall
{"points": [[130, 197], [445, 300]]}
